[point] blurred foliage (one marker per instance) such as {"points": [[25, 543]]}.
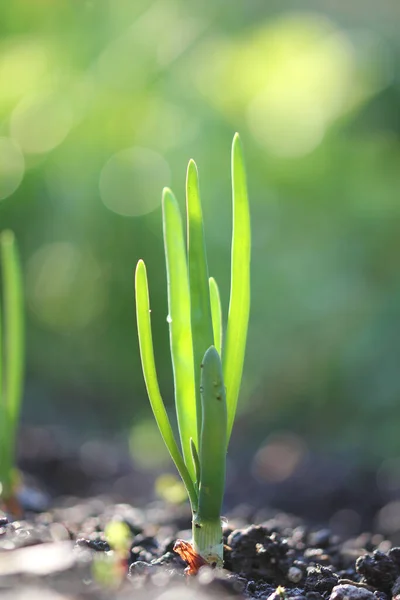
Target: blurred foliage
{"points": [[102, 103]]}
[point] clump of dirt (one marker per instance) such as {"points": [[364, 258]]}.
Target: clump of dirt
{"points": [[63, 554]]}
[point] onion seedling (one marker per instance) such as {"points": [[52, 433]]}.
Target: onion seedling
{"points": [[207, 366], [11, 364]]}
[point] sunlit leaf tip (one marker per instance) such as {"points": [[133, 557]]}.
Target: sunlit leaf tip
{"points": [[237, 148], [167, 193], [192, 165], [192, 174]]}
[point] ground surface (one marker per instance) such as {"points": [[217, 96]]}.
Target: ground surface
{"points": [[62, 554]]}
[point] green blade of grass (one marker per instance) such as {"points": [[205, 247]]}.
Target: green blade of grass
{"points": [[216, 313], [202, 330], [239, 303], [13, 352], [150, 377], [180, 330]]}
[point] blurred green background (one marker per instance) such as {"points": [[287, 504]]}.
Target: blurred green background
{"points": [[103, 102]]}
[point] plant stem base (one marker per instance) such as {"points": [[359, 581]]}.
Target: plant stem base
{"points": [[208, 541]]}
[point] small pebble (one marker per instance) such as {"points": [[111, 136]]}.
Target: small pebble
{"points": [[295, 574], [351, 592]]}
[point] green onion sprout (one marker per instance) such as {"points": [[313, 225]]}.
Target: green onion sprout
{"points": [[207, 362], [11, 361]]}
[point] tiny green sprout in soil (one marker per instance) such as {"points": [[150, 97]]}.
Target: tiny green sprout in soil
{"points": [[11, 365], [109, 570], [207, 358]]}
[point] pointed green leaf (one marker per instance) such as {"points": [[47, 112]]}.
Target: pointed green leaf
{"points": [[180, 330], [202, 331], [216, 312], [239, 303], [150, 377]]}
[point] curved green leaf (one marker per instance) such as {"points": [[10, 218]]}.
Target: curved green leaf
{"points": [[180, 329], [150, 377], [202, 330], [239, 303]]}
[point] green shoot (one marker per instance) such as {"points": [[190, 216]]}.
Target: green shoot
{"points": [[207, 374], [150, 377], [239, 304], [202, 328], [11, 362], [207, 524], [109, 569], [180, 330]]}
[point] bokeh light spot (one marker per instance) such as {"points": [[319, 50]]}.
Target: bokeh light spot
{"points": [[170, 488], [147, 446], [278, 458], [65, 288], [23, 63], [389, 517], [307, 85], [12, 167], [41, 122], [131, 181], [292, 77]]}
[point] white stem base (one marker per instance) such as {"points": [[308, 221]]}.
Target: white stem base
{"points": [[208, 541]]}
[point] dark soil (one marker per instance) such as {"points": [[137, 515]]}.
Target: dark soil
{"points": [[62, 554]]}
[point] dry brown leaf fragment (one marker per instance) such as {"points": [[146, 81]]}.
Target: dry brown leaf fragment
{"points": [[190, 556]]}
